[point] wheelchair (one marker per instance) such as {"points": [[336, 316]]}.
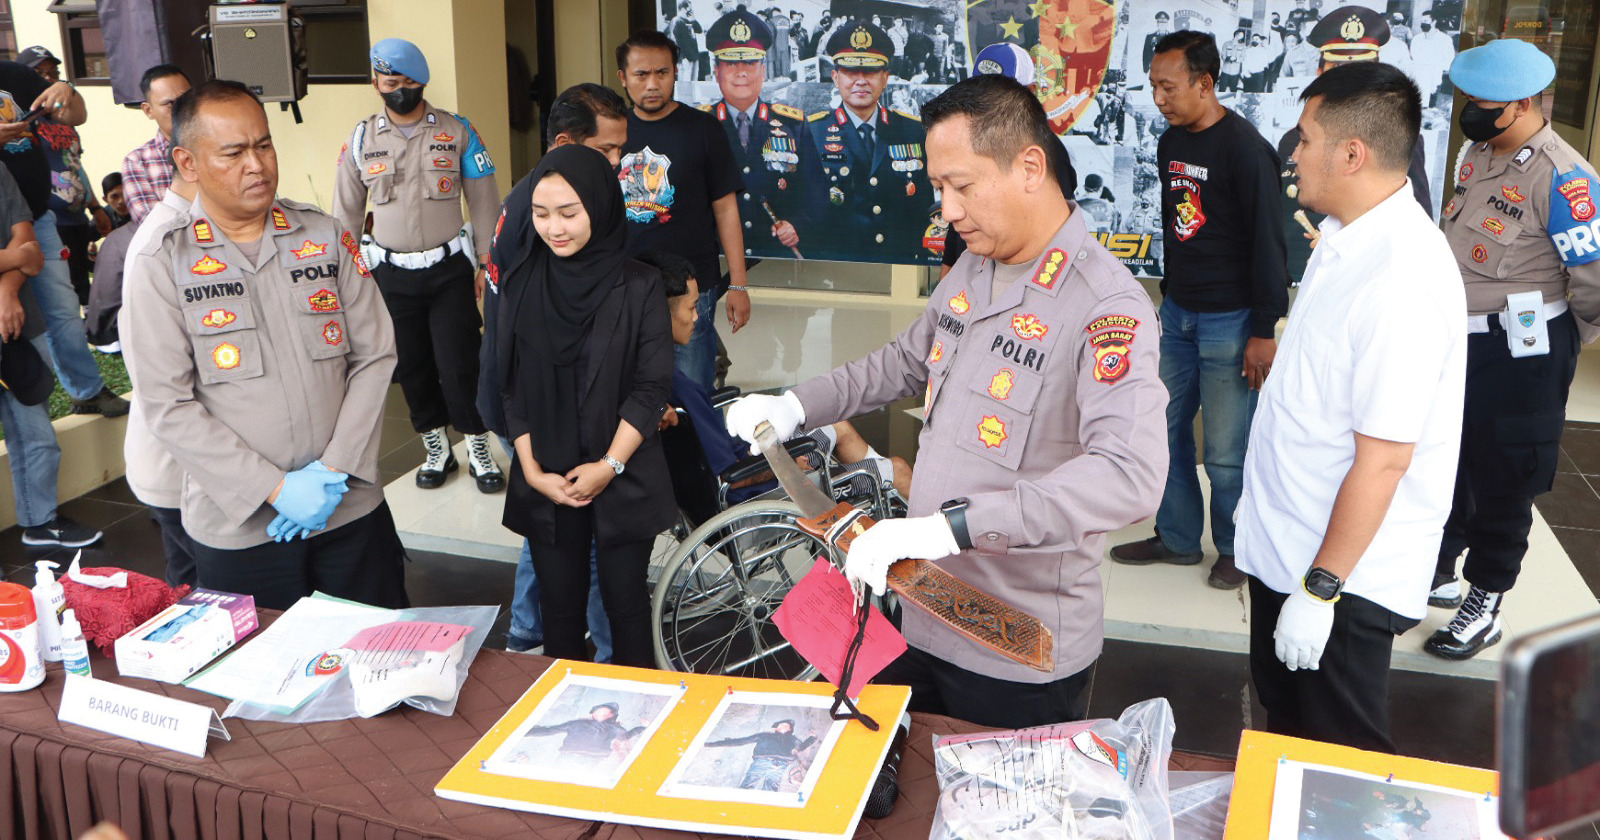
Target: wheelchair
{"points": [[717, 587]]}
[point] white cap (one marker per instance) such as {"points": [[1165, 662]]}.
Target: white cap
{"points": [[42, 573], [70, 628]]}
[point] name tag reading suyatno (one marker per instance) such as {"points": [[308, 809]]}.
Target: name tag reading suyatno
{"points": [[139, 715]]}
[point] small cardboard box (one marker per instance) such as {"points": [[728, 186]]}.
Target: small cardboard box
{"points": [[186, 636]]}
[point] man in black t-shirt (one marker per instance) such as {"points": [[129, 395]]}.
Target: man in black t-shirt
{"points": [[678, 185], [1225, 288], [23, 91]]}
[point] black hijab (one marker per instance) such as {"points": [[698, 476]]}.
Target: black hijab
{"points": [[561, 299]]}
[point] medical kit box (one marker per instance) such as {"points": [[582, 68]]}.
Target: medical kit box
{"points": [[186, 636]]}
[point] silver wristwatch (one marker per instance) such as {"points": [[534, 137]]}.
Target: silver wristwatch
{"points": [[616, 466]]}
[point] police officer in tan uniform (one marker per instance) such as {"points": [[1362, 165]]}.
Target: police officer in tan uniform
{"points": [[1045, 417], [1524, 229], [416, 164], [261, 358]]}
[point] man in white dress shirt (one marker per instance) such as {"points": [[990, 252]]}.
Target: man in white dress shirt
{"points": [[1351, 463]]}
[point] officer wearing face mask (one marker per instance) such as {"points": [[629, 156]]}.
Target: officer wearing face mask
{"points": [[415, 164], [1524, 230]]}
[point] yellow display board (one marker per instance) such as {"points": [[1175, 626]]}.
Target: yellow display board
{"points": [[1250, 808], [687, 751]]}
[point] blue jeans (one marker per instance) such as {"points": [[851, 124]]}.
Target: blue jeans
{"points": [[698, 359], [35, 459], [525, 622], [1202, 354], [63, 342]]}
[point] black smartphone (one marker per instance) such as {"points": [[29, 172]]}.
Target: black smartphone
{"points": [[35, 114], [1549, 730]]}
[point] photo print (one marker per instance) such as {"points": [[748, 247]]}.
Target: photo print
{"points": [[1328, 803], [586, 731], [758, 748]]}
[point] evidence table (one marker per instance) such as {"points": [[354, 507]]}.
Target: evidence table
{"points": [[368, 779]]}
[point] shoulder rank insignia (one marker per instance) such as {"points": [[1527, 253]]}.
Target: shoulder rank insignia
{"points": [[202, 232], [1523, 155], [1049, 270], [789, 111], [208, 266]]}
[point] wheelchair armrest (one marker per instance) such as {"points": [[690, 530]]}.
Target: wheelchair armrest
{"points": [[722, 396], [754, 467]]}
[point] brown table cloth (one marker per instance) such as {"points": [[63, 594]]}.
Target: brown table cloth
{"points": [[368, 779]]}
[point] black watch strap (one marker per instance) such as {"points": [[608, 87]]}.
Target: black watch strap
{"points": [[955, 512]]}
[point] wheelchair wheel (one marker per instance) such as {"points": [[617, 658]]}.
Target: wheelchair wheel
{"points": [[666, 545], [714, 600]]}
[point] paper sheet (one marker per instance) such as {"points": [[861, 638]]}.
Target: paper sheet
{"points": [[1311, 802], [279, 669], [818, 618]]}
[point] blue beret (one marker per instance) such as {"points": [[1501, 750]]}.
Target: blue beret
{"points": [[393, 56], [1005, 59], [1503, 70]]}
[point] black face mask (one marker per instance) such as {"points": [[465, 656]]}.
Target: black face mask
{"points": [[403, 100], [1478, 123], [1427, 27]]}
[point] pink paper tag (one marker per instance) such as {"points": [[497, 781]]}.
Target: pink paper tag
{"points": [[428, 636], [818, 617]]}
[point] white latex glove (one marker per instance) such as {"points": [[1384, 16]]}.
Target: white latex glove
{"points": [[893, 540], [785, 413], [1303, 627]]}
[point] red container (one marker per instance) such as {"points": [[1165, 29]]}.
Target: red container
{"points": [[21, 666]]}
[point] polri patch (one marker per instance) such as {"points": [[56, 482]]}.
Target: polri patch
{"points": [[217, 318], [1028, 326], [310, 249], [959, 304], [1512, 194], [1111, 362], [1493, 225], [226, 356], [1480, 254], [323, 300], [444, 185], [1106, 322], [936, 352], [207, 266], [1001, 383], [992, 431], [332, 333], [377, 169], [1465, 173]]}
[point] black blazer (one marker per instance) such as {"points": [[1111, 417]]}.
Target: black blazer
{"points": [[628, 359]]}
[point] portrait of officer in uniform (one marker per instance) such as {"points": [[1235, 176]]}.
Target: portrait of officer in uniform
{"points": [[416, 164], [1522, 225], [770, 144], [1037, 362], [1345, 34], [878, 197], [261, 362]]}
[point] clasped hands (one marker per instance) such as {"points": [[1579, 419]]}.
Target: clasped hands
{"points": [[577, 488], [305, 500]]}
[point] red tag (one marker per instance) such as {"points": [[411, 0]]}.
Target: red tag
{"points": [[818, 617]]}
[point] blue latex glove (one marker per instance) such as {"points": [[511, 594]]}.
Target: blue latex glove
{"points": [[309, 495], [283, 530]]}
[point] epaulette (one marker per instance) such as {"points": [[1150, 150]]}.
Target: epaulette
{"points": [[906, 115], [789, 111], [818, 115], [706, 107], [160, 234], [1565, 157]]}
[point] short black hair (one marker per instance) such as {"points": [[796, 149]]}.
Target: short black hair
{"points": [[577, 109], [110, 182], [1004, 117], [187, 107], [1373, 101], [1199, 52], [646, 39], [160, 71], [676, 272]]}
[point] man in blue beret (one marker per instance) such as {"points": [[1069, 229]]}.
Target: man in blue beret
{"points": [[416, 164], [1523, 227]]}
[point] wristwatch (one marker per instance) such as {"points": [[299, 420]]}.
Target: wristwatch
{"points": [[616, 466], [955, 513], [1323, 584]]}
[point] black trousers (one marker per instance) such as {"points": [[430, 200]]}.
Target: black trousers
{"points": [[361, 560], [76, 239], [1346, 699], [1510, 445], [437, 331], [940, 688], [176, 545], [563, 572]]}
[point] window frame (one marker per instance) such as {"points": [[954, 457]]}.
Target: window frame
{"points": [[350, 9], [73, 16]]}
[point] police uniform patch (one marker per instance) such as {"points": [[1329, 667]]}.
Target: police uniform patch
{"points": [[217, 318], [1493, 225], [377, 169], [1576, 192], [1480, 254], [1109, 321], [1450, 209], [497, 226], [1110, 361], [344, 149], [332, 333], [310, 249], [443, 163], [959, 305], [323, 300], [225, 356], [1513, 195], [936, 352], [349, 243], [444, 185], [992, 431], [492, 272], [1028, 327], [208, 266], [443, 137], [1523, 155], [1049, 270], [1001, 383], [202, 232], [279, 220], [1465, 173]]}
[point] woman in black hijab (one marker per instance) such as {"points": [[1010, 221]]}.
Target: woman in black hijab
{"points": [[585, 349]]}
